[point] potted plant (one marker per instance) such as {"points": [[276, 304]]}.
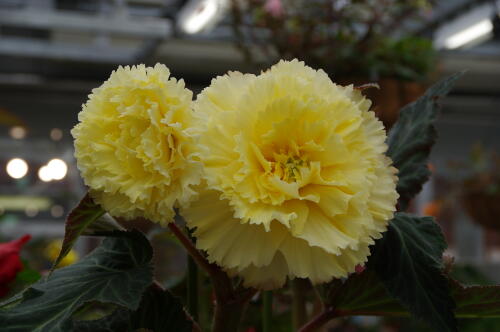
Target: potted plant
{"points": [[355, 42], [481, 190]]}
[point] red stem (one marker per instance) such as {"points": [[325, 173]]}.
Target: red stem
{"points": [[320, 320], [222, 284], [196, 327], [197, 256], [230, 303]]}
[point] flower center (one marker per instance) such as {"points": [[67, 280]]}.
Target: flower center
{"points": [[287, 168]]}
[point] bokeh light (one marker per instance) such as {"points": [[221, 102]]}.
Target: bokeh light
{"points": [[56, 169], [17, 132], [17, 168]]}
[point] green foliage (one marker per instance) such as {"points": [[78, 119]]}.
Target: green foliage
{"points": [[405, 271], [364, 294], [27, 275], [476, 301], [159, 311], [84, 214], [118, 320], [412, 137], [409, 58], [408, 260], [117, 272]]}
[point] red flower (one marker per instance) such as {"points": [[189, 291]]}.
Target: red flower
{"points": [[10, 262]]}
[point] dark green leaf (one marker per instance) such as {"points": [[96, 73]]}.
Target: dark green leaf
{"points": [[412, 137], [159, 311], [117, 272], [103, 226], [364, 295], [476, 301], [408, 261], [119, 320], [84, 214], [10, 302]]}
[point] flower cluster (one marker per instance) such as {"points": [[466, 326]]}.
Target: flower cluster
{"points": [[280, 175]]}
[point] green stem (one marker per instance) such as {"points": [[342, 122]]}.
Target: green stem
{"points": [[267, 311], [192, 288]]}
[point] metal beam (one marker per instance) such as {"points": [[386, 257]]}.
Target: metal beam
{"points": [[139, 27], [24, 47]]}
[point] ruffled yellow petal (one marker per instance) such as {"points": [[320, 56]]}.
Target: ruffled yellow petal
{"points": [[219, 233], [134, 144], [296, 170], [264, 258], [265, 277]]}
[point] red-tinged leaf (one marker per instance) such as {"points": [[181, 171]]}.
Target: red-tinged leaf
{"points": [[363, 294], [476, 301], [81, 217]]}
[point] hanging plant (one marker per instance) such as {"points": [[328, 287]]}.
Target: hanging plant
{"points": [[355, 42]]}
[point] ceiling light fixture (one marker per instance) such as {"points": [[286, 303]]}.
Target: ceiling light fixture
{"points": [[199, 15], [469, 34]]}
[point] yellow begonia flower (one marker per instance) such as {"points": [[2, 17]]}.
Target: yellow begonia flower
{"points": [[54, 248], [297, 182], [134, 144]]}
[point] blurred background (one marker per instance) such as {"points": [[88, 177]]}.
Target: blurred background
{"points": [[54, 52]]}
